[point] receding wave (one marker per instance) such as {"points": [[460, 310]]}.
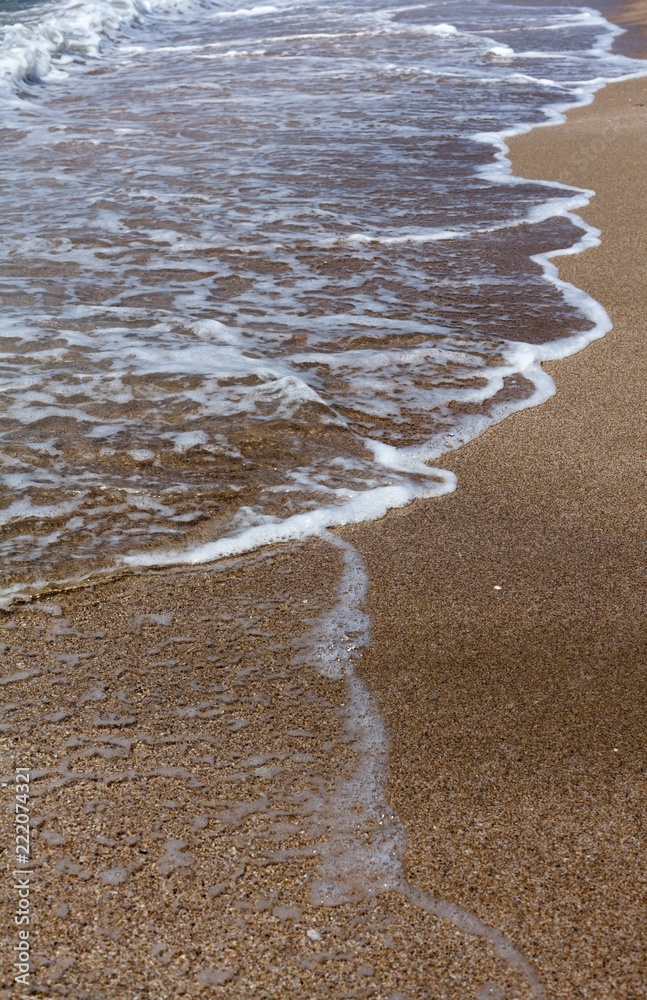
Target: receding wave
{"points": [[265, 263]]}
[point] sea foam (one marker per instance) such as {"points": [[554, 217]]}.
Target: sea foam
{"points": [[282, 265]]}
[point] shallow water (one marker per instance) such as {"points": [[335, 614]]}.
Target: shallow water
{"points": [[261, 264]]}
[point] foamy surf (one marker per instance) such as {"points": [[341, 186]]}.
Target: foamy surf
{"points": [[255, 305], [40, 45], [248, 313]]}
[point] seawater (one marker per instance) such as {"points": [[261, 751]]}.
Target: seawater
{"points": [[262, 264]]}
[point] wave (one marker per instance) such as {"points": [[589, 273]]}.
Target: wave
{"points": [[48, 39], [264, 295]]}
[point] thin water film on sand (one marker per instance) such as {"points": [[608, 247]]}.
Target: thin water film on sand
{"points": [[261, 263]]}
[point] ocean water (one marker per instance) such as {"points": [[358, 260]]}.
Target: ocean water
{"points": [[262, 264]]}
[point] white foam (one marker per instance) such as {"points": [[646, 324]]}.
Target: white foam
{"points": [[443, 30], [143, 366], [257, 11], [499, 52], [368, 505], [37, 50], [21, 510], [429, 236]]}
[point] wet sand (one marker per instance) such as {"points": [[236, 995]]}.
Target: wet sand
{"points": [[178, 753], [510, 655]]}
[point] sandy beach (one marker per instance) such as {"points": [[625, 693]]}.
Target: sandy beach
{"points": [[509, 655], [180, 752]]}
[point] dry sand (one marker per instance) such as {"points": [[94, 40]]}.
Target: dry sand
{"points": [[516, 715]]}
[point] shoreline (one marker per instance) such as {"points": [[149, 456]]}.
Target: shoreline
{"points": [[506, 662], [517, 706]]}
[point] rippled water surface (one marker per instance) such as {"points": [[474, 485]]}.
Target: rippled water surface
{"points": [[260, 263]]}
